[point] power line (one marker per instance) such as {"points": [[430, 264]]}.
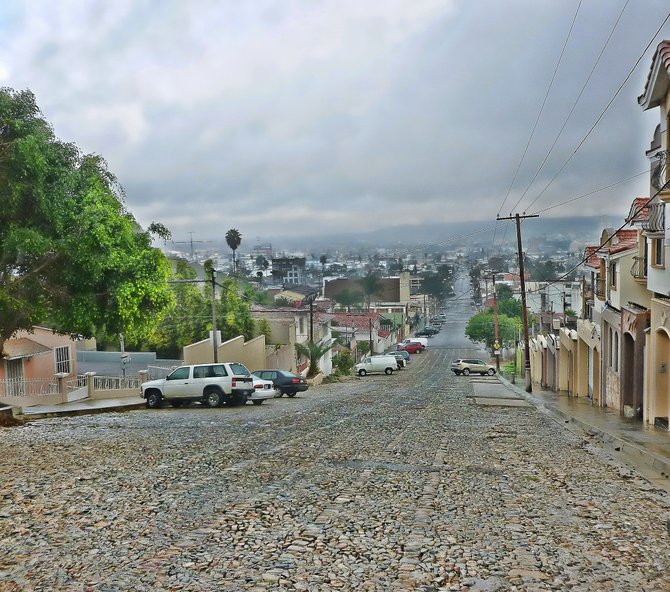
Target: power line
{"points": [[544, 101], [602, 114], [574, 106]]}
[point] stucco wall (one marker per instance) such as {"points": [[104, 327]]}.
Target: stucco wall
{"points": [[251, 353]]}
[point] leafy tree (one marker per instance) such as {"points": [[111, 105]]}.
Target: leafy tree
{"points": [[189, 319], [348, 298], [504, 292], [371, 286], [314, 352], [281, 301], [481, 328], [343, 362], [323, 260], [434, 285], [262, 262], [233, 312], [234, 240], [498, 264], [71, 256], [263, 328], [363, 347]]}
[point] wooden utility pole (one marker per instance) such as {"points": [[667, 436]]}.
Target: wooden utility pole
{"points": [[214, 339], [526, 346]]}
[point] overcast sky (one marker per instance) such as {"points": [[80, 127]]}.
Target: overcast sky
{"points": [[319, 116]]}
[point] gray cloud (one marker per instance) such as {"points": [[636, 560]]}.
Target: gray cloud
{"points": [[336, 115]]}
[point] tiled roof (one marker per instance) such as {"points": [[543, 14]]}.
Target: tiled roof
{"points": [[639, 210], [592, 259], [625, 240], [23, 347], [352, 319], [660, 60]]}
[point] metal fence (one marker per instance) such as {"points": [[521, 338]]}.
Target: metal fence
{"points": [[111, 383], [20, 387]]}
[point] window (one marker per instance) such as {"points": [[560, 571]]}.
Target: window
{"points": [[612, 274], [179, 374], [657, 254], [63, 359], [301, 325]]}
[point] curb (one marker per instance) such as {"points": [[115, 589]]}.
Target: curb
{"points": [[75, 412], [617, 443]]}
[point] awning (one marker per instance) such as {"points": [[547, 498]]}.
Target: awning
{"points": [[23, 347]]}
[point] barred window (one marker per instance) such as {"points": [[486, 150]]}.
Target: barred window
{"points": [[63, 359]]}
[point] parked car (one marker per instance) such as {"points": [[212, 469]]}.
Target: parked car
{"points": [[422, 340], [402, 352], [411, 347], [285, 382], [427, 332], [400, 359], [373, 364], [211, 384], [469, 366], [263, 389]]}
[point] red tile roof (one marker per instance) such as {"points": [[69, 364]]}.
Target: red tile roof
{"points": [[624, 240], [639, 210], [661, 60], [590, 254], [360, 320]]}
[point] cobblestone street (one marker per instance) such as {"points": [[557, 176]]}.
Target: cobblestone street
{"points": [[383, 483]]}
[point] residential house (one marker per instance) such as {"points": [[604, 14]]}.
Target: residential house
{"points": [[656, 93], [290, 326]]}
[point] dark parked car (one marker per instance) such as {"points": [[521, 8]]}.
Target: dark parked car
{"points": [[285, 382], [427, 332]]}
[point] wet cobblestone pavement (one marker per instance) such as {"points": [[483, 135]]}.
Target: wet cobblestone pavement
{"points": [[384, 483]]}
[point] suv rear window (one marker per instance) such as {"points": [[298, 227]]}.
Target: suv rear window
{"points": [[239, 369]]}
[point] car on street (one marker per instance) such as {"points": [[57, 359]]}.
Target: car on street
{"points": [[427, 332], [211, 384], [263, 389], [402, 352], [398, 356], [373, 364], [472, 366], [411, 347], [286, 382]]}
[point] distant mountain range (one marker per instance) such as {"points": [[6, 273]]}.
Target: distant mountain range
{"points": [[584, 228]]}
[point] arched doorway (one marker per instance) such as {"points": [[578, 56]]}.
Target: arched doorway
{"points": [[629, 385]]}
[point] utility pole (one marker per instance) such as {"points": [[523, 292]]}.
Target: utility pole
{"points": [[370, 322], [526, 346], [214, 339], [496, 346]]}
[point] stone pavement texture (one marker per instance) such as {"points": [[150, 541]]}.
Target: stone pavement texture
{"points": [[385, 483]]}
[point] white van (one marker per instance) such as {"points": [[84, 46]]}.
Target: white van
{"points": [[369, 365]]}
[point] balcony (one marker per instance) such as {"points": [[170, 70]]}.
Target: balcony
{"points": [[656, 221], [639, 269]]}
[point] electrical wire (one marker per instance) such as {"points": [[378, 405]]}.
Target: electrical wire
{"points": [[574, 106], [544, 102], [602, 113]]}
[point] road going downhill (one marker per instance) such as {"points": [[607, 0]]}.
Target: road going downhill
{"points": [[382, 483]]}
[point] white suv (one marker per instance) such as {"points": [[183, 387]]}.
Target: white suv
{"points": [[211, 384], [468, 366]]}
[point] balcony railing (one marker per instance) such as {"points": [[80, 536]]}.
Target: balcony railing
{"points": [[656, 221], [639, 268]]}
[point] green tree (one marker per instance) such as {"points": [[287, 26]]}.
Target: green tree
{"points": [[189, 319], [313, 352], [234, 240], [71, 256], [370, 285], [323, 260], [343, 362], [481, 328], [504, 292], [348, 298], [263, 328], [233, 312]]}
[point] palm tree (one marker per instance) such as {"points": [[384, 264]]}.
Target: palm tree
{"points": [[314, 352], [370, 285], [234, 239]]}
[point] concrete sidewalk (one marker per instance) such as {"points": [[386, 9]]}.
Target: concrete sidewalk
{"points": [[82, 407], [646, 446]]}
